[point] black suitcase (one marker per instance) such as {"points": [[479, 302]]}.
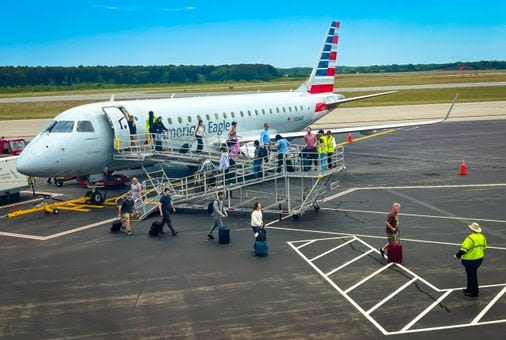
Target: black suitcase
{"points": [[184, 148], [116, 226], [155, 229], [289, 166], [223, 235]]}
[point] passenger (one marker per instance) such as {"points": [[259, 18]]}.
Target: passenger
{"points": [[136, 188], [150, 127], [126, 211], [322, 151], [392, 227], [472, 252], [132, 127], [199, 135], [258, 159], [219, 212], [233, 140], [205, 172], [165, 207], [330, 142], [282, 147], [224, 165], [265, 139], [160, 130], [257, 222], [310, 143]]}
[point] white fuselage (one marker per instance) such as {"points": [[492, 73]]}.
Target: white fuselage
{"points": [[78, 150]]}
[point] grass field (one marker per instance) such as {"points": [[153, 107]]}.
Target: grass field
{"points": [[342, 81], [11, 111], [31, 110]]}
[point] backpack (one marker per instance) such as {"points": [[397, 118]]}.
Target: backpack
{"points": [[262, 152], [210, 207]]}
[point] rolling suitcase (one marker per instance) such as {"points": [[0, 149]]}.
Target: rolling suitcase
{"points": [[155, 229], [394, 253], [261, 248], [116, 226], [223, 235]]}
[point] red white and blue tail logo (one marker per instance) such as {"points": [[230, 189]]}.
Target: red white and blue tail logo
{"points": [[322, 76]]}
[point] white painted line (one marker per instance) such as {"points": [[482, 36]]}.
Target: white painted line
{"points": [[397, 291], [321, 239], [417, 330], [427, 310], [331, 250], [420, 278], [342, 193], [89, 226], [29, 237], [490, 304], [348, 263], [367, 278], [305, 244], [377, 237], [417, 215], [336, 287], [436, 186]]}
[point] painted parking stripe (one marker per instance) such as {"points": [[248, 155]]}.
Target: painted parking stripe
{"points": [[389, 297], [349, 262], [367, 278], [331, 250], [490, 304], [426, 311]]}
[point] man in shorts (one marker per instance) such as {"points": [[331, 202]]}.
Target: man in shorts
{"points": [[392, 227]]}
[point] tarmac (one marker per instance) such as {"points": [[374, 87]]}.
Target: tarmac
{"points": [[67, 276]]}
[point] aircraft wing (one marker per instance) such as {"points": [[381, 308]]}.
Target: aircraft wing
{"points": [[352, 99], [378, 127]]}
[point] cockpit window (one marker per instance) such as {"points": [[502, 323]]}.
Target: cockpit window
{"points": [[60, 126], [85, 126]]}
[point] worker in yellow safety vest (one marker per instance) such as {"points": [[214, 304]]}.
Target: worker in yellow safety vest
{"points": [[330, 145], [322, 151], [472, 252]]}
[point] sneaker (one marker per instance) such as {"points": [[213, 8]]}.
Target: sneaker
{"points": [[130, 233], [382, 252], [209, 236], [174, 233]]}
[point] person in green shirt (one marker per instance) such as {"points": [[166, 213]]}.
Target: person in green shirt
{"points": [[472, 251]]}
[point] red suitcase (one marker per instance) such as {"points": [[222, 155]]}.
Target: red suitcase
{"points": [[394, 253]]}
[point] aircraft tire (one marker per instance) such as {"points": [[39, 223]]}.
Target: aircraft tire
{"points": [[58, 182], [97, 198]]}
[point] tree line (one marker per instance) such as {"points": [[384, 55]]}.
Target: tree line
{"points": [[23, 76]]}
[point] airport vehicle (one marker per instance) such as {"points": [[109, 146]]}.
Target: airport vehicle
{"points": [[83, 140], [11, 146], [109, 181], [11, 181]]}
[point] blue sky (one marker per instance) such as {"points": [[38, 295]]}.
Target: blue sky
{"points": [[280, 33]]}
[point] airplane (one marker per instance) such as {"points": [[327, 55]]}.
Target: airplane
{"points": [[80, 141]]}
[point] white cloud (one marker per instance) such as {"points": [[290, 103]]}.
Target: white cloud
{"points": [[179, 9]]}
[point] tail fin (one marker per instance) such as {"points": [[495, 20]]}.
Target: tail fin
{"points": [[322, 76]]}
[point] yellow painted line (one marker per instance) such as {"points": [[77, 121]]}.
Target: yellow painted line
{"points": [[366, 137]]}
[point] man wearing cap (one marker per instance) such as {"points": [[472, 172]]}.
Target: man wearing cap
{"points": [[472, 252]]}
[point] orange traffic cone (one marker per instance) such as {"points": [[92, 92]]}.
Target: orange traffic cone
{"points": [[463, 169], [350, 138]]}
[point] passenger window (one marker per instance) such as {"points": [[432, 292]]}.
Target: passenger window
{"points": [[290, 108], [189, 119], [62, 126], [216, 116], [270, 111], [242, 114], [301, 108], [295, 107], [277, 109], [207, 117], [263, 112], [85, 126], [284, 110], [179, 120], [249, 113], [199, 118], [224, 115], [169, 120], [232, 114], [256, 112]]}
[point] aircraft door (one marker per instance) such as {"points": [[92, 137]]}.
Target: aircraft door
{"points": [[118, 118]]}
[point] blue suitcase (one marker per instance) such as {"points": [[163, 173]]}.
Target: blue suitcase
{"points": [[261, 248], [223, 235]]}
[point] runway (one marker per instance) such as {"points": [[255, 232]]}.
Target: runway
{"points": [[323, 277]]}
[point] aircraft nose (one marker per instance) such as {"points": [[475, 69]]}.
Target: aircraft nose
{"points": [[26, 165], [33, 162]]}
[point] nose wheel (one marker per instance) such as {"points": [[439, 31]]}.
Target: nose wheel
{"points": [[95, 196]]}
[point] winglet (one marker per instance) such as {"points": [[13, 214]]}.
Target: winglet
{"points": [[450, 109], [112, 98]]}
